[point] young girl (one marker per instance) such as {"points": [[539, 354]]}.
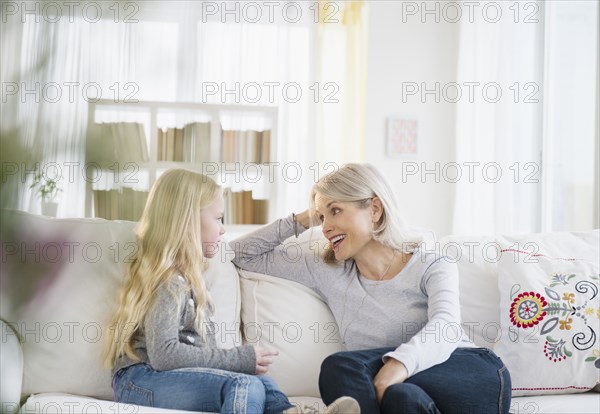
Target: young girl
{"points": [[397, 307], [161, 349]]}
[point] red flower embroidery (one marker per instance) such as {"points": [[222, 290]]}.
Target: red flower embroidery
{"points": [[527, 309]]}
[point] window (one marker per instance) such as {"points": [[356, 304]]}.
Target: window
{"points": [[571, 76]]}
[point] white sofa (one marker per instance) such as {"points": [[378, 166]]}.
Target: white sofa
{"points": [[59, 280]]}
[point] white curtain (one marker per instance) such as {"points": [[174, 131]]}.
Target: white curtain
{"points": [[511, 135], [168, 55], [571, 114], [265, 64], [56, 68], [341, 73]]}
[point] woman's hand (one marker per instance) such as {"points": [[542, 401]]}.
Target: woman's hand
{"points": [[263, 359], [392, 372], [304, 219]]}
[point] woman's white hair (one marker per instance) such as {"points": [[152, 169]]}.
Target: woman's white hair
{"points": [[359, 183]]}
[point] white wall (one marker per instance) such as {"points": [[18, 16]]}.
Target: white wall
{"points": [[412, 51]]}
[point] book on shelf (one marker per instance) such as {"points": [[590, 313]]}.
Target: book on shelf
{"points": [[247, 146], [265, 146], [241, 208], [199, 141], [251, 140], [227, 146], [238, 207], [178, 151], [128, 204], [228, 207], [117, 141], [188, 144], [261, 212], [160, 144], [129, 141], [124, 204], [170, 145]]}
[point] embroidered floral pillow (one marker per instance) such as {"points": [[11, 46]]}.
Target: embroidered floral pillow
{"points": [[550, 319]]}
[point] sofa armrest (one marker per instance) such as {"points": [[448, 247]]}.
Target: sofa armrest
{"points": [[11, 369]]}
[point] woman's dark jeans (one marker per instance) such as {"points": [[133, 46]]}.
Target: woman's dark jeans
{"points": [[472, 380]]}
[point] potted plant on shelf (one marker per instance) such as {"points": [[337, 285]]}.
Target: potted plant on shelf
{"points": [[47, 189]]}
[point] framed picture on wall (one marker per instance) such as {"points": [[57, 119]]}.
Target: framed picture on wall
{"points": [[402, 136]]}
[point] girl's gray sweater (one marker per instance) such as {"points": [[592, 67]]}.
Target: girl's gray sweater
{"points": [[168, 339]]}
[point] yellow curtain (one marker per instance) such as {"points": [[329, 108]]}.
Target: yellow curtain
{"points": [[341, 73]]}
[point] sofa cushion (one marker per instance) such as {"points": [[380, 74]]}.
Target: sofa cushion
{"points": [[475, 257], [550, 311], [286, 316], [11, 368], [59, 286], [75, 404], [222, 281], [585, 403]]}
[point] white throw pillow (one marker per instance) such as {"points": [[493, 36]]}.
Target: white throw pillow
{"points": [[58, 290], [59, 286], [291, 318], [549, 313], [222, 281], [475, 257]]}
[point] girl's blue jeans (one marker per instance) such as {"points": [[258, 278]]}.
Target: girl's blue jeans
{"points": [[472, 380], [199, 389]]}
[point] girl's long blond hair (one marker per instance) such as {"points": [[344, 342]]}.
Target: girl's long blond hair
{"points": [[168, 241]]}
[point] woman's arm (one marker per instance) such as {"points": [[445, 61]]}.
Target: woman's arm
{"points": [[264, 251], [442, 334], [167, 352]]}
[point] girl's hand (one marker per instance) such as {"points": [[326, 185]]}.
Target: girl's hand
{"points": [[263, 359], [392, 372]]}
